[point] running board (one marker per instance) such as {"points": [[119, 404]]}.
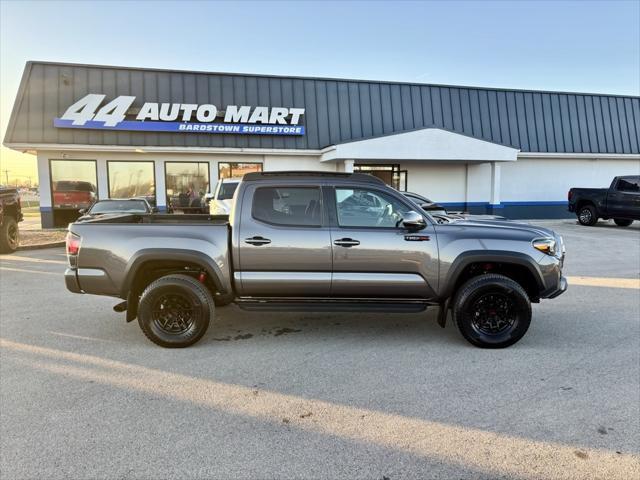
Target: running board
{"points": [[332, 304]]}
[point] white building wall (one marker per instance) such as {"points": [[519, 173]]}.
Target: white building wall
{"points": [[442, 182], [544, 180], [297, 162]]}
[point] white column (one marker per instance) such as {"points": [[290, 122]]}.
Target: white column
{"points": [[161, 189], [213, 175], [44, 181], [103, 178], [348, 166], [495, 183]]}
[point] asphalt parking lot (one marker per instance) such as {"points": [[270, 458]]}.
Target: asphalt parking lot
{"points": [[290, 395]]}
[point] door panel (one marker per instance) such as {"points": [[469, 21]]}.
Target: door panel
{"points": [[284, 245], [624, 201], [380, 260]]}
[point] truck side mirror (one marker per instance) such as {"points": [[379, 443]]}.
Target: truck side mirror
{"points": [[413, 221], [154, 210], [208, 197], [82, 211]]}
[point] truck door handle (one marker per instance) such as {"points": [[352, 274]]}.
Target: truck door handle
{"points": [[346, 242], [257, 241]]}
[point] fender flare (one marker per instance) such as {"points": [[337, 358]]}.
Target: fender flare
{"points": [[160, 254], [490, 256]]}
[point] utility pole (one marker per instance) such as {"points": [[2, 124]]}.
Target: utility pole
{"points": [[6, 176]]}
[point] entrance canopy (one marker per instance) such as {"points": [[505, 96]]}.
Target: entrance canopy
{"points": [[423, 144]]}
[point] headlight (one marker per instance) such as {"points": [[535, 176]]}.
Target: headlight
{"points": [[545, 245]]}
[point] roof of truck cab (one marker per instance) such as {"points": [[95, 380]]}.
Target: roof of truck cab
{"points": [[309, 175]]}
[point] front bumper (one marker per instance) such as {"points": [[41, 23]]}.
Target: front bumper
{"points": [[562, 287], [71, 280]]}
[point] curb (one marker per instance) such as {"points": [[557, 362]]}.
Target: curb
{"points": [[40, 246]]}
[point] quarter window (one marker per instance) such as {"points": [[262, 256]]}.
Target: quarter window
{"points": [[359, 207], [295, 206]]}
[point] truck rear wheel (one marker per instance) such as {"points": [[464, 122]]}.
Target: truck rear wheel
{"points": [[492, 311], [9, 235], [587, 215], [622, 222], [174, 311]]}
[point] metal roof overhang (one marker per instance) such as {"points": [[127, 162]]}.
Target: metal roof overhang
{"points": [[426, 144]]}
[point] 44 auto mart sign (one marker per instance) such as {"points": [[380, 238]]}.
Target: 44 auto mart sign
{"points": [[89, 113]]}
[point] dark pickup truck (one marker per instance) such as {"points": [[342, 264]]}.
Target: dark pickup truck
{"points": [[621, 201], [10, 215], [316, 242]]}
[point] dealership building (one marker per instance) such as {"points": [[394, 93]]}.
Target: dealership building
{"points": [[115, 132]]}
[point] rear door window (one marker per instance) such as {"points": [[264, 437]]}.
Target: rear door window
{"points": [[292, 206]]}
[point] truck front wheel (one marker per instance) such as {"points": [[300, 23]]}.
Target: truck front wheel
{"points": [[622, 222], [174, 311], [492, 311]]}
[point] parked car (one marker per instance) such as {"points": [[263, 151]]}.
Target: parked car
{"points": [[73, 195], [426, 204], [316, 241], [222, 198], [10, 216], [441, 214], [621, 201], [117, 206]]}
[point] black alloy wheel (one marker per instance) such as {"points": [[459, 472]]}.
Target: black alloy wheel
{"points": [[587, 216], [175, 311], [492, 311]]}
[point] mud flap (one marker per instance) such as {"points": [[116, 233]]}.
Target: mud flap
{"points": [[442, 312]]}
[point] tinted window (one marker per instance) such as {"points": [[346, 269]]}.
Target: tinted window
{"points": [[288, 206], [231, 170], [130, 179], [133, 206], [73, 183], [227, 189], [368, 208], [629, 184], [186, 184]]}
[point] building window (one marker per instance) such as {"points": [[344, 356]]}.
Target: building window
{"points": [[237, 170], [132, 179], [73, 187], [389, 174], [298, 206], [186, 183]]}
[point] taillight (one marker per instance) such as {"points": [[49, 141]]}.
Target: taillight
{"points": [[569, 195], [73, 243]]}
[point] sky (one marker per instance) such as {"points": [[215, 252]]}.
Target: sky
{"points": [[583, 46]]}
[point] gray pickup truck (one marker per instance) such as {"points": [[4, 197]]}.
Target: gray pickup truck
{"points": [[311, 241]]}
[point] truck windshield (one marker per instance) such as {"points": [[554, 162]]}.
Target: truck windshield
{"points": [[111, 206], [227, 190]]}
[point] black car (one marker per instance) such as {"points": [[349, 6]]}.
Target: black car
{"points": [[426, 204], [621, 201], [116, 206]]}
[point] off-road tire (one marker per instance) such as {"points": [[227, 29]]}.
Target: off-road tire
{"points": [[9, 235], [622, 222], [185, 294], [469, 299], [587, 215]]}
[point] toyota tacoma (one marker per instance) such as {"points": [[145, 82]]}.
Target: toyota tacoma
{"points": [[312, 241]]}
